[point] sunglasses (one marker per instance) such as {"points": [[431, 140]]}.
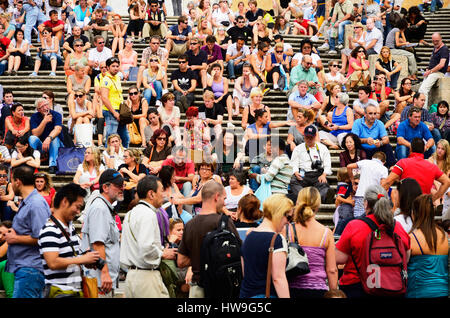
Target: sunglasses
{"points": [[79, 95], [334, 65], [3, 176], [194, 43], [360, 51], [101, 42], [77, 45], [154, 60], [133, 93], [279, 51], [129, 42], [161, 138], [182, 62]]}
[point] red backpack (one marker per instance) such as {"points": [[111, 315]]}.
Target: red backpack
{"points": [[383, 268]]}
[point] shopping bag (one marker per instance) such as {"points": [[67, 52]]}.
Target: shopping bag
{"points": [[264, 191], [69, 159]]}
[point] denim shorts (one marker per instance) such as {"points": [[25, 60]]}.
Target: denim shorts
{"points": [[29, 283]]}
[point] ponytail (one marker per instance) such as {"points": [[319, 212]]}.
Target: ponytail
{"points": [[308, 201]]}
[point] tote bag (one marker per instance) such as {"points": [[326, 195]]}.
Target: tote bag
{"points": [[264, 191], [69, 159], [83, 135]]}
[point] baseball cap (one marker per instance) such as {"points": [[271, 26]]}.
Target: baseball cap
{"points": [[310, 130], [111, 176]]}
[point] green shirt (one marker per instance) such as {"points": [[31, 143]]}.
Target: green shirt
{"points": [[279, 174], [298, 73]]}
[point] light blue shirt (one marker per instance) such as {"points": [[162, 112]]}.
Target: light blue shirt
{"points": [[377, 131], [306, 100]]}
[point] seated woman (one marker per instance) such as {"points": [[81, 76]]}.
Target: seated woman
{"points": [[329, 103], [295, 136], [229, 155], [80, 110], [235, 190], [334, 75], [132, 171], [170, 116], [113, 154], [196, 132], [218, 84], [441, 121], [242, 88], [79, 80], [403, 97], [16, 125], [381, 93], [358, 70], [152, 79], [353, 151], [389, 67], [205, 172], [139, 109], [417, 26], [48, 52], [128, 58], [19, 53], [261, 31], [203, 29], [157, 151], [428, 264], [248, 114], [77, 57], [89, 171], [277, 68], [25, 154], [340, 123], [50, 97], [43, 185], [118, 29], [154, 123], [282, 26], [358, 39]]}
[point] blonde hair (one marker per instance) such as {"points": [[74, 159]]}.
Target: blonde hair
{"points": [[276, 206], [108, 146], [255, 92], [208, 95], [135, 153], [97, 160], [446, 145], [342, 174], [385, 48], [308, 201]]}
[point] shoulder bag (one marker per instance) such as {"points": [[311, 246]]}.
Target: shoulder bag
{"points": [[88, 284], [269, 266], [125, 115], [135, 136], [297, 262]]}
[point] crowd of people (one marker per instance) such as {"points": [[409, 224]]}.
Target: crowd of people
{"points": [[139, 157]]}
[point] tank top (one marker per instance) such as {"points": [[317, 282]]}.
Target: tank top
{"points": [[231, 202], [74, 61], [77, 86], [78, 109], [260, 65], [51, 47], [251, 118], [217, 88], [316, 278], [127, 62], [340, 120], [246, 89]]}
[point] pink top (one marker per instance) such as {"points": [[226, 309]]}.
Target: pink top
{"points": [[350, 67], [127, 62]]}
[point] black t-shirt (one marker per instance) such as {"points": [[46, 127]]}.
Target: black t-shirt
{"points": [[100, 23], [436, 58], [387, 66], [235, 32], [157, 156], [199, 59], [253, 17], [71, 38], [184, 78], [211, 113], [142, 169]]}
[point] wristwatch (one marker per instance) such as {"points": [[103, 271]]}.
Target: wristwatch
{"points": [[50, 137]]}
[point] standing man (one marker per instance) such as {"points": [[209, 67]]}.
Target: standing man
{"points": [[46, 127], [112, 97], [24, 259], [213, 196], [142, 250], [341, 17], [100, 232], [62, 259], [437, 67], [33, 16]]}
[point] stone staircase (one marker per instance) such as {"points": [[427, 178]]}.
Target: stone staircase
{"points": [[27, 89]]}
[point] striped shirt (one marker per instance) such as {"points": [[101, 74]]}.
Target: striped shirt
{"points": [[51, 239], [279, 174]]}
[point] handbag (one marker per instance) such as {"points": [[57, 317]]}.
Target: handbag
{"points": [[135, 136], [264, 191], [297, 261], [69, 158], [55, 3], [88, 284], [83, 135], [125, 115]]}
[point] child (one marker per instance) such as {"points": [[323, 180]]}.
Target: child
{"points": [[372, 172], [344, 201]]}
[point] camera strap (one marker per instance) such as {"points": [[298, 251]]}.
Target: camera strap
{"points": [[318, 152]]}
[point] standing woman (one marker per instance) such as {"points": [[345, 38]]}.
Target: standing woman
{"points": [[139, 109], [19, 50], [118, 29], [43, 185], [318, 243], [277, 212], [428, 265], [350, 245]]}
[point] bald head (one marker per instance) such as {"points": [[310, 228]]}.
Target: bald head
{"points": [[436, 38]]}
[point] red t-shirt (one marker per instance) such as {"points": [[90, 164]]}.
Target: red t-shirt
{"points": [[416, 167], [4, 44], [377, 94], [180, 171], [351, 243], [52, 25]]}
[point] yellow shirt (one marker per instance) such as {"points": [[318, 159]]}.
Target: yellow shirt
{"points": [[115, 90]]}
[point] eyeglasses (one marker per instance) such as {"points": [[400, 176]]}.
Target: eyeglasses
{"points": [[46, 97], [78, 45], [3, 176], [133, 93], [79, 95], [265, 51]]}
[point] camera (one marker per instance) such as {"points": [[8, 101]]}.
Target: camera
{"points": [[100, 263], [317, 165]]}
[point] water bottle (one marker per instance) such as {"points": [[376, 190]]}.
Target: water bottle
{"points": [[388, 84]]}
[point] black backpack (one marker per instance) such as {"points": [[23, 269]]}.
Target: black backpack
{"points": [[220, 262]]}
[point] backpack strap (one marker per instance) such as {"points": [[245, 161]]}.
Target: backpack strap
{"points": [[223, 222]]}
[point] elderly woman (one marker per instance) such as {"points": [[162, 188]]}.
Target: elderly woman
{"points": [[340, 123], [278, 212], [248, 114], [77, 57], [353, 151]]}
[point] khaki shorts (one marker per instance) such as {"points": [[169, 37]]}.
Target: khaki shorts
{"points": [[178, 49]]}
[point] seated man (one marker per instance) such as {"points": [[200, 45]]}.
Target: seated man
{"points": [[412, 128], [97, 26], [197, 60], [68, 43], [260, 164], [100, 53], [46, 126], [55, 24], [213, 51], [311, 163], [301, 99], [156, 23], [211, 113], [240, 30], [360, 104], [178, 37], [108, 11], [184, 82], [305, 71], [237, 54], [373, 135]]}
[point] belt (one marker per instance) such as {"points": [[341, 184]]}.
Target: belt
{"points": [[144, 269]]}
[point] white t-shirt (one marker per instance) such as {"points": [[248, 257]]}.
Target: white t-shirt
{"points": [[315, 58], [232, 50], [118, 158], [86, 176], [231, 201], [372, 171], [406, 223], [96, 56], [36, 154], [375, 34], [358, 103]]}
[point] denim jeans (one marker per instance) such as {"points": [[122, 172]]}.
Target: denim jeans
{"points": [[3, 66], [403, 152], [157, 85], [36, 143], [114, 127], [28, 283], [436, 135], [33, 17], [234, 68], [341, 34]]}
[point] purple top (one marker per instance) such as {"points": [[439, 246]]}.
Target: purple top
{"points": [[163, 221], [216, 53]]}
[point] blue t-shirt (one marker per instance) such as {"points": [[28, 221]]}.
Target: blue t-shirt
{"points": [[406, 131], [255, 252], [32, 215], [377, 131], [37, 118], [175, 32]]}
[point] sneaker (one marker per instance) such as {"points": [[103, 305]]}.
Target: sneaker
{"points": [[324, 47], [158, 103], [230, 125], [52, 74], [332, 52], [315, 38], [52, 169], [33, 74], [165, 91], [339, 46], [266, 91]]}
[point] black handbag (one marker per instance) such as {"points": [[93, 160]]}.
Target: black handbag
{"points": [[297, 261]]}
